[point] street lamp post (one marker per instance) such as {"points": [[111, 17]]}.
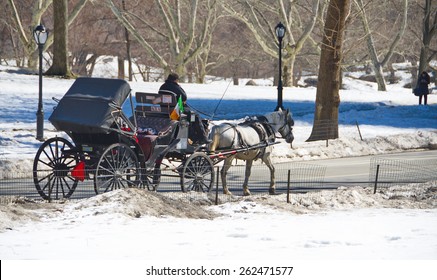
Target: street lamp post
{"points": [[40, 34], [280, 32]]}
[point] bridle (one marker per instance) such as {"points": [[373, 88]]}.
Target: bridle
{"points": [[288, 122]]}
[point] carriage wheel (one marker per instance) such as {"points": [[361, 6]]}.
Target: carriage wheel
{"points": [[117, 168], [51, 169], [197, 173]]}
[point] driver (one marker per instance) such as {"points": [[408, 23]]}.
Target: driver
{"points": [[197, 131]]}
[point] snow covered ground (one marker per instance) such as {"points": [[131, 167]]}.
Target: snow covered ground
{"points": [[316, 232]]}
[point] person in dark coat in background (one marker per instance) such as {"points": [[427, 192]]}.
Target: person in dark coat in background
{"points": [[197, 131], [422, 87]]}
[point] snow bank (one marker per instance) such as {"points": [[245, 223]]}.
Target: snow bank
{"points": [[129, 204]]}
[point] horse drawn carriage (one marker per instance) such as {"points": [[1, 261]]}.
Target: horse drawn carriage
{"points": [[116, 150]]}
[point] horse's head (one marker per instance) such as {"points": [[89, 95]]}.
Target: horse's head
{"points": [[282, 122]]}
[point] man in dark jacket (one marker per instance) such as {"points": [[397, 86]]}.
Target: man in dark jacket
{"points": [[197, 132], [172, 86]]}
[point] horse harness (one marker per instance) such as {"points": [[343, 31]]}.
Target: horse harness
{"points": [[262, 127]]}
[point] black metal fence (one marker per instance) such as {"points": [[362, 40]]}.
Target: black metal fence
{"points": [[290, 178], [387, 172], [294, 177]]}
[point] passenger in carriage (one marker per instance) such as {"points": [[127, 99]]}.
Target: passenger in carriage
{"points": [[197, 131]]}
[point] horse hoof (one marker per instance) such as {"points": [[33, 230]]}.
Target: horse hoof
{"points": [[246, 193], [272, 191]]}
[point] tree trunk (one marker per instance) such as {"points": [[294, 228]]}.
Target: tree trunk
{"points": [[80, 67], [121, 70], [128, 49], [297, 75], [60, 66], [275, 74], [92, 63], [379, 76], [429, 29], [288, 71], [200, 78], [327, 98]]}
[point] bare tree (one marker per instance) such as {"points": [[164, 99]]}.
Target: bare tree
{"points": [[37, 10], [236, 54], [204, 60], [9, 47], [377, 63], [25, 34], [183, 27], [261, 17], [327, 97], [95, 33]]}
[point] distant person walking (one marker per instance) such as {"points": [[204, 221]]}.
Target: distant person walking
{"points": [[421, 89]]}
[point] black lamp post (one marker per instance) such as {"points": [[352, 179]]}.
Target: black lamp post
{"points": [[40, 34], [280, 32]]}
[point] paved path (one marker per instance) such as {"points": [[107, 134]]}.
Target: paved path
{"points": [[357, 169]]}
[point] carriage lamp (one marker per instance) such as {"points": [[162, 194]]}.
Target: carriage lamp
{"points": [[280, 33], [40, 35]]}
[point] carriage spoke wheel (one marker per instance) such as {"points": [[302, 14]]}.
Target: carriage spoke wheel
{"points": [[51, 169], [117, 168], [197, 173]]}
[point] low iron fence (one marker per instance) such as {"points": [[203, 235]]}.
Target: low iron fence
{"points": [[294, 177], [290, 178], [387, 172]]}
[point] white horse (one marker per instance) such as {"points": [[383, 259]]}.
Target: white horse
{"points": [[256, 136]]}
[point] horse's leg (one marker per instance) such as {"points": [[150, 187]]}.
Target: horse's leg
{"points": [[246, 177], [223, 172], [268, 161]]}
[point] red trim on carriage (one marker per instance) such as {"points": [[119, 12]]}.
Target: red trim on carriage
{"points": [[78, 171]]}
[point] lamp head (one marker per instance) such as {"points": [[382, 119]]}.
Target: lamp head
{"points": [[280, 31], [40, 34]]}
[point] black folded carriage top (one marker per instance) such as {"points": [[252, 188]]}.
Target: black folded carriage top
{"points": [[89, 105]]}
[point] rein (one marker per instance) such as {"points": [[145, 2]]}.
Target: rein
{"points": [[199, 112]]}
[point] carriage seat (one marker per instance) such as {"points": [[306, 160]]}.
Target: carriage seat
{"points": [[154, 125], [153, 130]]}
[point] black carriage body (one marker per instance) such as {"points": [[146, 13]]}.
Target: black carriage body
{"points": [[90, 113], [89, 105]]}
